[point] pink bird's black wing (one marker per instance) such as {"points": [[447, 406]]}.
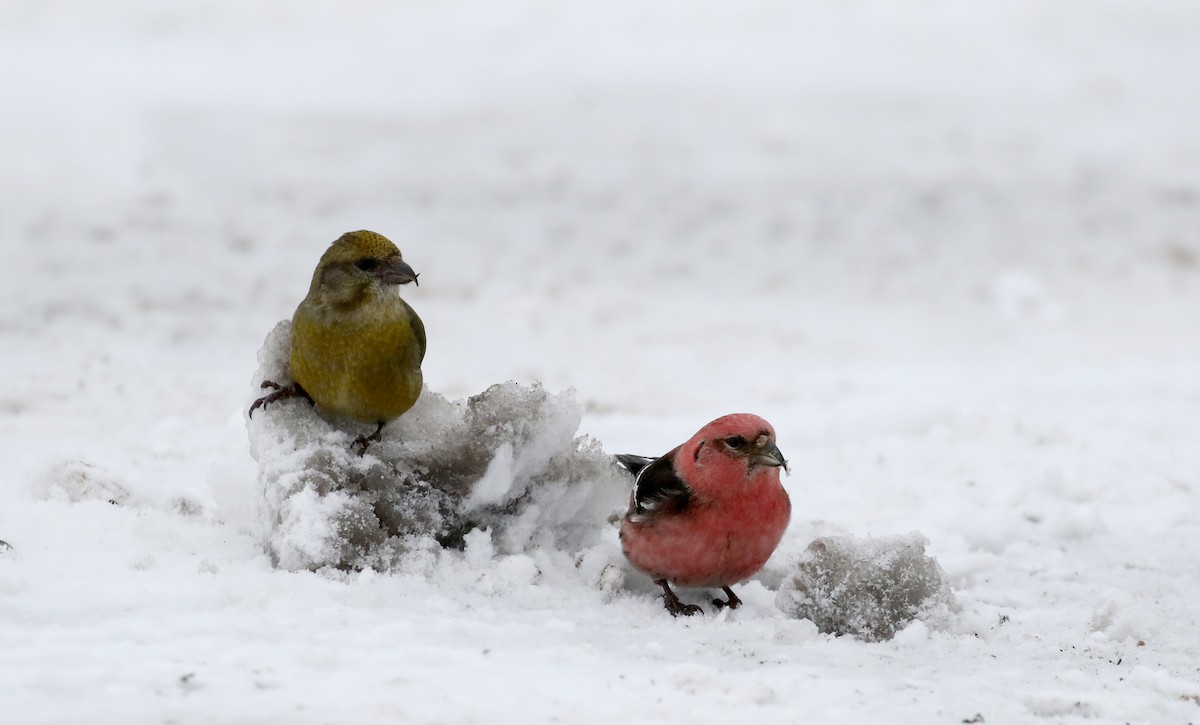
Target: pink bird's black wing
{"points": [[634, 464], [657, 489]]}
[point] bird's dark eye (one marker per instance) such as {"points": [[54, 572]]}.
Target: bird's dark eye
{"points": [[367, 265], [735, 442]]}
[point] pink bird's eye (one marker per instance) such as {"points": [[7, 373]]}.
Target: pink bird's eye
{"points": [[735, 442]]}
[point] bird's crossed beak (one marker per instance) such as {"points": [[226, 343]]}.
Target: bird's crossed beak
{"points": [[769, 455], [396, 271]]}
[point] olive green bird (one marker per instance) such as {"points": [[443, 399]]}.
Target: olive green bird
{"points": [[357, 346]]}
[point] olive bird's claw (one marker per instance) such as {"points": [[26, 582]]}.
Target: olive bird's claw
{"points": [[360, 443], [282, 392]]}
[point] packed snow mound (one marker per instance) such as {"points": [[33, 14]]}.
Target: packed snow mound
{"points": [[506, 460], [870, 588]]}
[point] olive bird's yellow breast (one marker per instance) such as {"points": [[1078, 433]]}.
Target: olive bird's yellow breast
{"points": [[363, 362]]}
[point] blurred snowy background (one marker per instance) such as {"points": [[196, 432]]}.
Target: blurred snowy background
{"points": [[951, 250]]}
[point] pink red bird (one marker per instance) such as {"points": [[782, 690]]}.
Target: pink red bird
{"points": [[708, 513]]}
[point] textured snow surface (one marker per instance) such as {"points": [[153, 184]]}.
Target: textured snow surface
{"points": [[868, 588], [951, 250]]}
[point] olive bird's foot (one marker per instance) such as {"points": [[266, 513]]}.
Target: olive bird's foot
{"points": [[360, 443], [672, 603], [282, 392], [732, 602]]}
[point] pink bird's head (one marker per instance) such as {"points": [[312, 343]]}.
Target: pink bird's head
{"points": [[740, 446]]}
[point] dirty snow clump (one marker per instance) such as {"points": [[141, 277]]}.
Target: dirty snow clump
{"points": [[506, 460], [866, 587]]}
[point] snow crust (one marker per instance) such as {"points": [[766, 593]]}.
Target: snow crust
{"points": [[507, 461], [870, 588]]}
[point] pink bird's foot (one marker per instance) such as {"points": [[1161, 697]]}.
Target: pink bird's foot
{"points": [[282, 392], [360, 443], [673, 605], [732, 602]]}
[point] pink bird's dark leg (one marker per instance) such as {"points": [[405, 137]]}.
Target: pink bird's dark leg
{"points": [[672, 603], [733, 602], [360, 443], [282, 392]]}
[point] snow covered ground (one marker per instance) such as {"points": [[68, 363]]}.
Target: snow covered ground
{"points": [[950, 250]]}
